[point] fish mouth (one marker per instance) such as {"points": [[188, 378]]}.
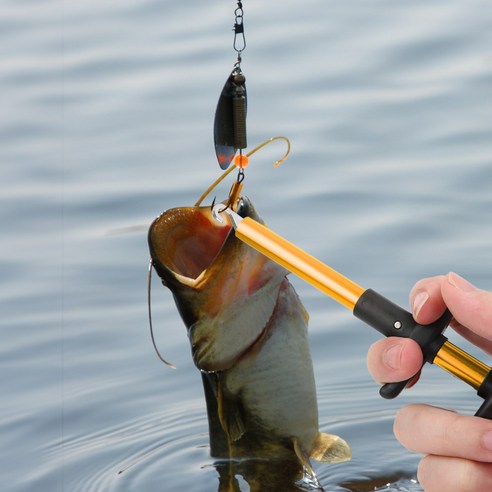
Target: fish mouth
{"points": [[184, 242]]}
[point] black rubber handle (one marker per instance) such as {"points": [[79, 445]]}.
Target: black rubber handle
{"points": [[485, 391], [392, 390], [393, 321], [485, 410]]}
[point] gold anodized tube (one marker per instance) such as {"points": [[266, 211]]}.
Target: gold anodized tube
{"points": [[450, 357], [299, 262], [461, 364]]}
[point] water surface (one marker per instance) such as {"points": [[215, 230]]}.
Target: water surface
{"points": [[107, 114]]}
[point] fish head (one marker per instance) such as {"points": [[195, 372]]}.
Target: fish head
{"points": [[185, 243], [225, 291]]}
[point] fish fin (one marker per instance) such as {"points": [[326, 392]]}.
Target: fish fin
{"points": [[230, 415], [302, 456], [305, 313], [330, 448]]}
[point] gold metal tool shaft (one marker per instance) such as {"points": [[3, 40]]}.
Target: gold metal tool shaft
{"points": [[299, 262], [461, 364], [450, 358]]}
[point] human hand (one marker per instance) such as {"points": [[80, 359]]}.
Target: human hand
{"points": [[458, 448]]}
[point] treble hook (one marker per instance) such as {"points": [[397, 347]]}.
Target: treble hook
{"points": [[235, 191], [241, 161], [242, 157]]}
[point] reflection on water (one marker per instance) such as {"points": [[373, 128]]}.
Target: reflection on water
{"points": [[107, 112], [397, 481]]}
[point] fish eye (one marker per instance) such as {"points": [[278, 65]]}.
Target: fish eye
{"points": [[244, 207]]}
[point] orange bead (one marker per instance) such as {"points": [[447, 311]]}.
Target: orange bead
{"points": [[241, 161]]}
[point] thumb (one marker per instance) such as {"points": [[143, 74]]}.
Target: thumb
{"points": [[471, 307]]}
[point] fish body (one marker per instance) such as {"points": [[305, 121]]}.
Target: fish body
{"points": [[248, 333]]}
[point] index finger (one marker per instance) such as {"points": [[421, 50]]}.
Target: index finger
{"points": [[427, 300]]}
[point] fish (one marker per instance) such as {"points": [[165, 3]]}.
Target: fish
{"points": [[248, 331]]}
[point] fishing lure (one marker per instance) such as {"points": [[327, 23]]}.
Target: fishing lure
{"points": [[229, 137]]}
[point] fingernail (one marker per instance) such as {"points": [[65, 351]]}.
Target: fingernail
{"points": [[418, 302], [460, 283], [487, 440], [392, 356]]}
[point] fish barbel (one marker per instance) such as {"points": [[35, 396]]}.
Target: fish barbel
{"points": [[248, 334]]}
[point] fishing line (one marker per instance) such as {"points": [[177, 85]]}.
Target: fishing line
{"points": [[138, 460], [149, 282], [239, 102]]}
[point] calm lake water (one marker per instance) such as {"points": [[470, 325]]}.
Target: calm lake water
{"points": [[107, 116]]}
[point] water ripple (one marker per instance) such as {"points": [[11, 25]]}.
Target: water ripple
{"points": [[107, 112]]}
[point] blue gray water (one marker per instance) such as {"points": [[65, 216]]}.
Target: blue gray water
{"points": [[106, 120]]}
